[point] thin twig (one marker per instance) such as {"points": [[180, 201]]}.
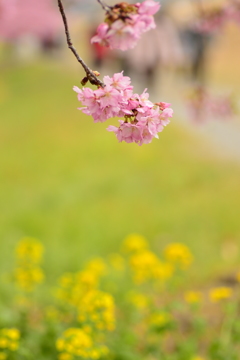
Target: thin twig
{"points": [[89, 73], [103, 5]]}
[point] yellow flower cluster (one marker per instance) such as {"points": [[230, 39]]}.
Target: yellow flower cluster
{"points": [[144, 264], [28, 274], [29, 250], [147, 266], [96, 312], [28, 278], [73, 286], [98, 309], [220, 293], [134, 243], [77, 342], [9, 341], [178, 254]]}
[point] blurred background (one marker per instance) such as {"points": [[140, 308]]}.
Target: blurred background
{"points": [[69, 183]]}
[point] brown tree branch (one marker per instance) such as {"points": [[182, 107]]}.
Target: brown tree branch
{"points": [[104, 6], [89, 73]]}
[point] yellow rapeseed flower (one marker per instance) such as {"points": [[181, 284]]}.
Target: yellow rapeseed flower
{"points": [[87, 329], [65, 356], [3, 355], [60, 344], [98, 307], [74, 286], [145, 266], [87, 278], [178, 254], [220, 293], [76, 342], [29, 249], [13, 333], [134, 243], [9, 339], [3, 342], [27, 275], [163, 271], [193, 297], [197, 358], [27, 278], [13, 345], [37, 275], [95, 354], [70, 290]]}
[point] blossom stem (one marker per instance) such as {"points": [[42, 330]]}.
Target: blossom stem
{"points": [[89, 73]]}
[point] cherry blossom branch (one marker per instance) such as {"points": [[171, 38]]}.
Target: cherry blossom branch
{"points": [[90, 75]]}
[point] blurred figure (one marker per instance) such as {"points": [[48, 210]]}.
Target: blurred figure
{"points": [[194, 42], [159, 48], [195, 46]]}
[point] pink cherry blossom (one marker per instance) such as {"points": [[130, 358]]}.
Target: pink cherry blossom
{"points": [[101, 36], [125, 23], [143, 120], [166, 113], [118, 81], [143, 99], [108, 96], [121, 35], [127, 132], [149, 7], [146, 136], [163, 105], [144, 23]]}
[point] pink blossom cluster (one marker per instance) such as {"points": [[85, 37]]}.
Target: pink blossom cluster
{"points": [[213, 20], [125, 23], [143, 120], [203, 105]]}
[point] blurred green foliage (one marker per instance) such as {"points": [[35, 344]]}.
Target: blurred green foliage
{"points": [[68, 182]]}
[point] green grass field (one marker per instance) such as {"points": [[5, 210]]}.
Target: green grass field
{"points": [[68, 182]]}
